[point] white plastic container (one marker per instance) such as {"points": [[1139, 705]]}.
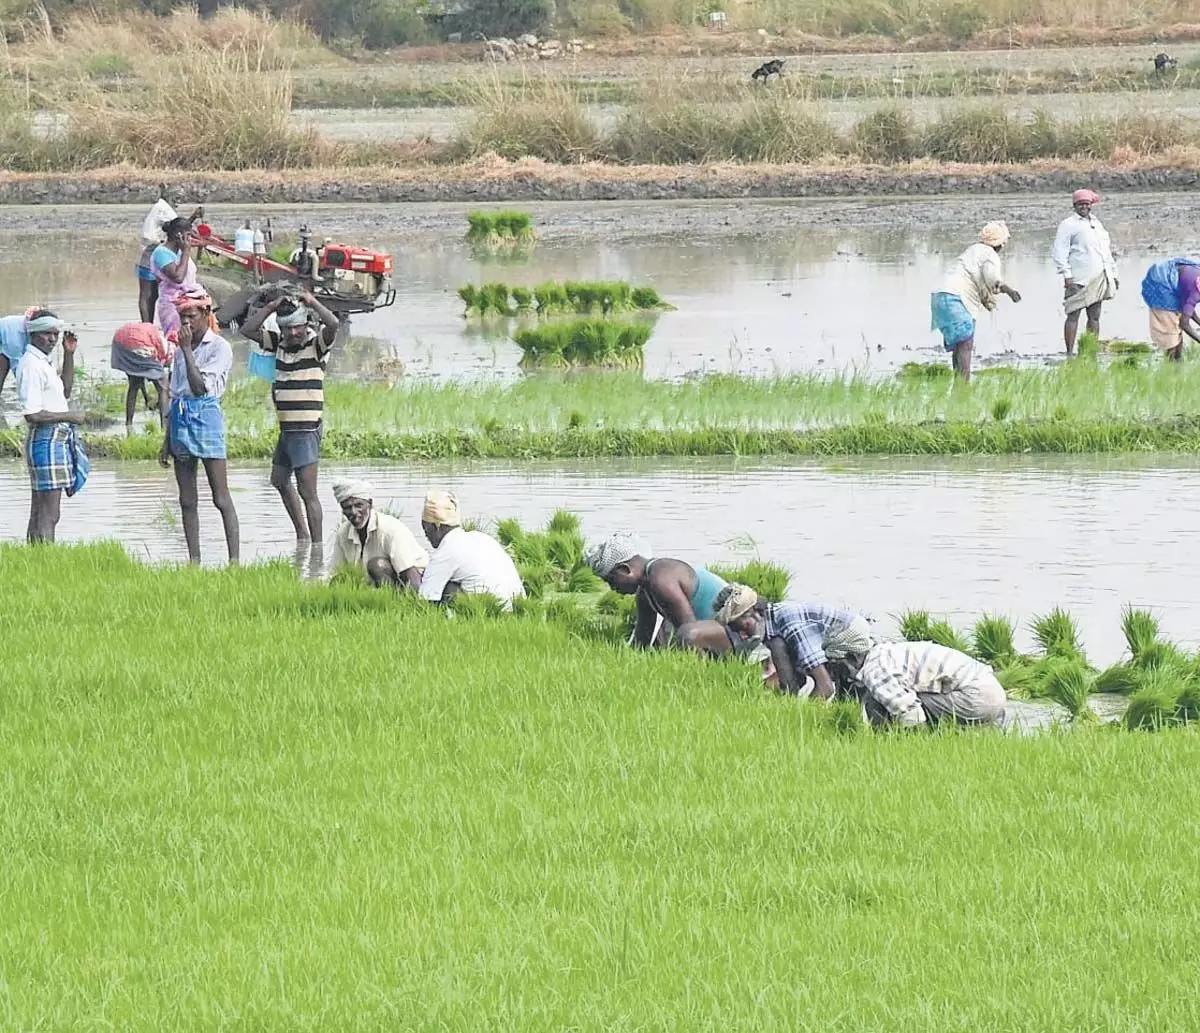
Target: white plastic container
{"points": [[243, 241]]}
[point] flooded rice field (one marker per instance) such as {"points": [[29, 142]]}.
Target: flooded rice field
{"points": [[761, 287], [1014, 536]]}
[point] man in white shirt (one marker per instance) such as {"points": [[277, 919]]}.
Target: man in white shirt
{"points": [[463, 561], [919, 683], [53, 454], [1083, 257], [376, 542]]}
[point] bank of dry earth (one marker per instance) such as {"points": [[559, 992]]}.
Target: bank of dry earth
{"points": [[494, 180]]}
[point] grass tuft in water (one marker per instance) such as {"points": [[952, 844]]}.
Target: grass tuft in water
{"points": [[1140, 628], [1068, 683], [500, 229], [915, 626], [945, 634]]}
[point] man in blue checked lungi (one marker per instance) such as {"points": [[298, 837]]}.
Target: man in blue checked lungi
{"points": [[53, 450], [196, 424]]}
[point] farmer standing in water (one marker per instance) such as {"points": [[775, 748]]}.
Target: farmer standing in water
{"points": [[971, 287], [1083, 256], [301, 347]]}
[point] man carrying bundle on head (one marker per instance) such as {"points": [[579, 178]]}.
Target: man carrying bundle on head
{"points": [[53, 451], [376, 542], [679, 595], [464, 561], [812, 636], [307, 330]]}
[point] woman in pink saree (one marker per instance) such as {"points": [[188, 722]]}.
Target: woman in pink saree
{"points": [[175, 271]]}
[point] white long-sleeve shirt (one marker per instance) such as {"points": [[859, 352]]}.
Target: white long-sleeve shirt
{"points": [[1082, 249]]}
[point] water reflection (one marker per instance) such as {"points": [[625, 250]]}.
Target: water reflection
{"points": [[953, 536]]}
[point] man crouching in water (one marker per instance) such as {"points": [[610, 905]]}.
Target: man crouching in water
{"points": [[377, 543], [670, 590]]}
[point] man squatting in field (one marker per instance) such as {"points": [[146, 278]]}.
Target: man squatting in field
{"points": [[378, 543], [918, 683]]}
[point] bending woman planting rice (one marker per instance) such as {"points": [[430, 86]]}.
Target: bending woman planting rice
{"points": [[196, 425], [970, 288]]}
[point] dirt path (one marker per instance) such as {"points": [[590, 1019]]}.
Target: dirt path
{"points": [[496, 180]]}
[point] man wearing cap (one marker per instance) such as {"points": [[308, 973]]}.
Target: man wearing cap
{"points": [[307, 330], [463, 561], [812, 635], [53, 451], [376, 542], [1083, 257]]}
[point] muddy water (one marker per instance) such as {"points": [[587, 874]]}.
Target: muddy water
{"points": [[952, 536], [761, 287]]}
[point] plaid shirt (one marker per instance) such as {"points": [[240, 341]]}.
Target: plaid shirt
{"points": [[804, 627], [894, 672]]}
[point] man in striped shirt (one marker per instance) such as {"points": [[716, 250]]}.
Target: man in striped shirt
{"points": [[306, 333], [917, 683]]}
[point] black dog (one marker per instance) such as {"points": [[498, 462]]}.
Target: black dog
{"points": [[764, 71], [1162, 62]]}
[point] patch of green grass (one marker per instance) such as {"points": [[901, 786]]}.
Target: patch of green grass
{"points": [[318, 808]]}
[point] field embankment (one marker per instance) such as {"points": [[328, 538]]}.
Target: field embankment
{"points": [[1080, 407], [232, 794]]}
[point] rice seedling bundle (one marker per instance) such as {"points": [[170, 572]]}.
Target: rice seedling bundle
{"points": [[600, 343], [584, 298], [992, 640], [500, 229], [767, 579]]}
